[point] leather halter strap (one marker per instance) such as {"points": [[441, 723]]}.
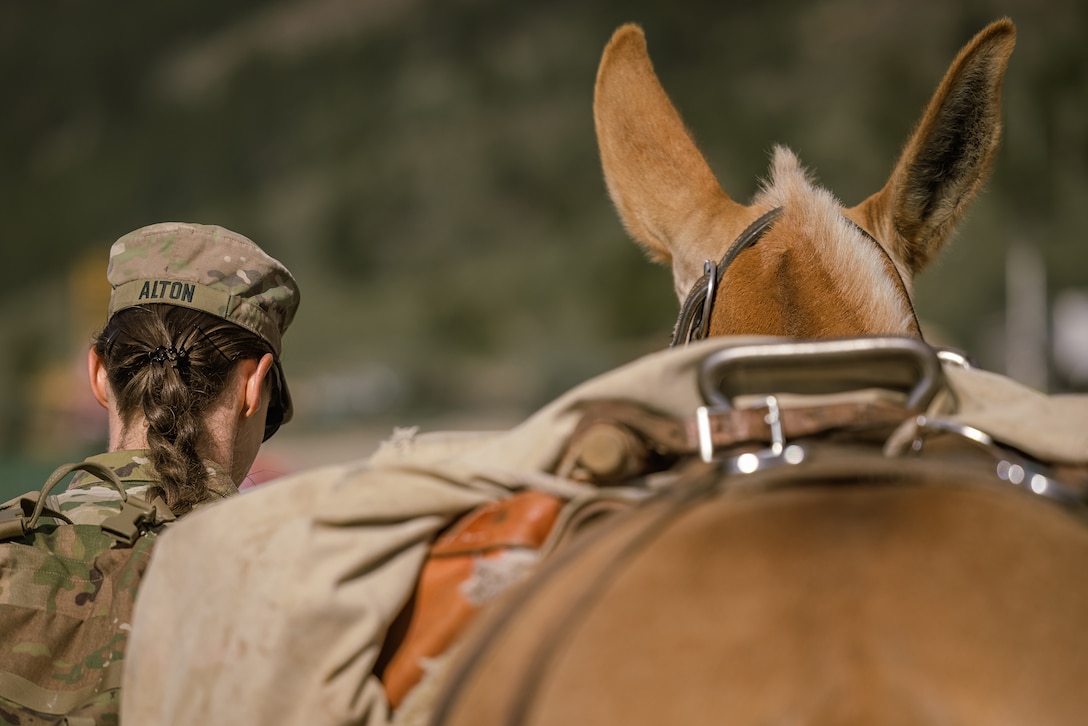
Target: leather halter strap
{"points": [[693, 323], [694, 320], [898, 276]]}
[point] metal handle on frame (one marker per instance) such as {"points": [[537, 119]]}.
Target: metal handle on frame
{"points": [[822, 367]]}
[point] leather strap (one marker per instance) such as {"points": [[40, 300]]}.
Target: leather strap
{"points": [[693, 321], [629, 433]]}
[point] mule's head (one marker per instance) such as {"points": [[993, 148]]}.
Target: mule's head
{"points": [[819, 269]]}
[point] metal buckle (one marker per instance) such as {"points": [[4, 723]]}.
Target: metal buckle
{"points": [[778, 453], [710, 269]]}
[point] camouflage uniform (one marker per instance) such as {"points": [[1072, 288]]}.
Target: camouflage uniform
{"points": [[89, 500]]}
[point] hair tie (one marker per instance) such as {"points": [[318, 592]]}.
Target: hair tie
{"points": [[163, 353]]}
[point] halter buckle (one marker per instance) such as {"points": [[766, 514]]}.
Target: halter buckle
{"points": [[710, 270]]}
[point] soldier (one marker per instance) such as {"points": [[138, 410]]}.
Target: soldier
{"points": [[188, 366]]}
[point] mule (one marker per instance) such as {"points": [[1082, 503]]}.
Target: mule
{"points": [[853, 589]]}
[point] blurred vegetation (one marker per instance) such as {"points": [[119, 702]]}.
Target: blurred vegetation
{"points": [[429, 172]]}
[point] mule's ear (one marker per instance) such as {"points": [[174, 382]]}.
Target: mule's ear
{"points": [[663, 189], [949, 154]]}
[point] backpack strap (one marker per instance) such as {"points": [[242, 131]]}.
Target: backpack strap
{"points": [[15, 514], [136, 516]]}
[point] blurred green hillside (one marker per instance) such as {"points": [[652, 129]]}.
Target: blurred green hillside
{"points": [[429, 172]]}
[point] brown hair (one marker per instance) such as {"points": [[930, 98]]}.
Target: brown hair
{"points": [[170, 363]]}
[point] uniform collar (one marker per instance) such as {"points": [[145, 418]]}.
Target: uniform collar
{"points": [[134, 468]]}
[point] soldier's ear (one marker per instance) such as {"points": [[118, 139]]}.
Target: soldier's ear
{"points": [[100, 383], [255, 382]]}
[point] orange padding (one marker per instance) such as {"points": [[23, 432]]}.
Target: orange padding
{"points": [[438, 611]]}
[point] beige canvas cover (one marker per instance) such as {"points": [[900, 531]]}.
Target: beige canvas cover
{"points": [[271, 607]]}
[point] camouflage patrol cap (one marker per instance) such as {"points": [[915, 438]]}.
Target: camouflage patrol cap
{"points": [[207, 268]]}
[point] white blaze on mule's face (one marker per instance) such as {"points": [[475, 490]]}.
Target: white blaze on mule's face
{"points": [[813, 274]]}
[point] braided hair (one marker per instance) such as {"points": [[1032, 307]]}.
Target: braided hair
{"points": [[170, 364]]}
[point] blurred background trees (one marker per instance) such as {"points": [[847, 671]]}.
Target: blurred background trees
{"points": [[429, 172]]}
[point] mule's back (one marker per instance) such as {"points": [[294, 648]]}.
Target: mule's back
{"points": [[931, 597]]}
